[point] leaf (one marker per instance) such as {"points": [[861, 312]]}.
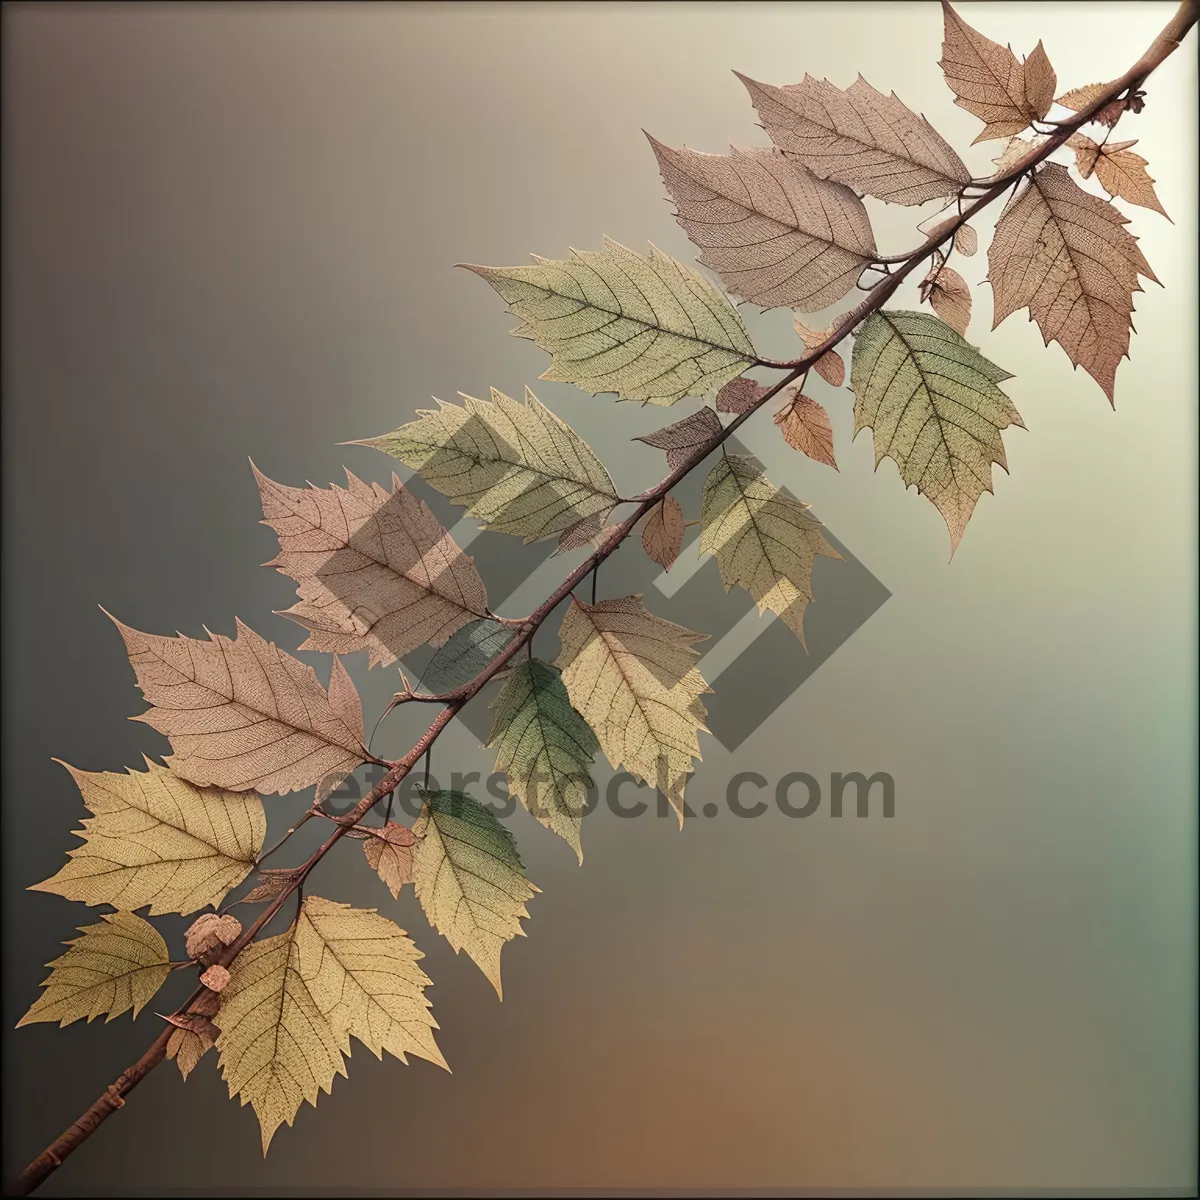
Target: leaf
{"points": [[932, 404], [1120, 171], [190, 1041], [295, 1000], [118, 964], [1065, 255], [685, 439], [988, 81], [582, 533], [216, 978], [272, 882], [830, 366], [376, 569], [612, 321], [1080, 98], [737, 396], [544, 747], [276, 1047], [966, 240], [390, 855], [465, 655], [632, 677], [662, 534], [516, 467], [805, 427], [946, 290], [871, 142], [763, 541], [469, 878], [776, 234], [153, 838], [1015, 149], [240, 713]]}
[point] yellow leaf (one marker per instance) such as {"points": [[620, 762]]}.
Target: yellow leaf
{"points": [[763, 541], [117, 965], [469, 878], [153, 838], [632, 677]]}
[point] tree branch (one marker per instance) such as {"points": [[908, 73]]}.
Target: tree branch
{"points": [[113, 1098]]}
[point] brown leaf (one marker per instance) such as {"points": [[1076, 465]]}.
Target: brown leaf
{"points": [[739, 395], [1066, 255], [192, 1038], [241, 713], [272, 882], [988, 80], [966, 241], [216, 979], [582, 532], [1120, 171], [662, 535], [196, 1022], [1015, 149], [684, 439], [805, 427], [830, 366], [207, 1004], [871, 142], [376, 569], [946, 290], [1077, 99], [776, 234], [209, 932], [389, 853]]}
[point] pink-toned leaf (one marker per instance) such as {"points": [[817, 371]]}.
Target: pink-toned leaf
{"points": [[1120, 171], [805, 427], [946, 290], [739, 395], [830, 366], [685, 439], [662, 535]]}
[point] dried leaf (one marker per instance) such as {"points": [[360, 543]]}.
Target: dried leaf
{"points": [[118, 964], [776, 234], [966, 241], [210, 932], [516, 467], [544, 747], [272, 882], [612, 321], [1080, 98], [805, 427], [376, 569], [662, 534], [988, 81], [871, 142], [191, 1041], [1066, 256], [1120, 171], [582, 533], [830, 366], [240, 713], [763, 540], [295, 1000], [156, 839], [469, 878], [946, 290], [1015, 149], [632, 677], [932, 404], [465, 655], [391, 856], [684, 440], [737, 396], [216, 979]]}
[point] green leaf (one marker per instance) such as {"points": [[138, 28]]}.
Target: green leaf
{"points": [[763, 540], [156, 839], [632, 677], [469, 878], [517, 467], [544, 747], [465, 655], [612, 321], [118, 964], [932, 404]]}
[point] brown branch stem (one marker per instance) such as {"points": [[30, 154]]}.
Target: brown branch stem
{"points": [[113, 1098]]}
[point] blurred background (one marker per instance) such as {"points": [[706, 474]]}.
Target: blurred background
{"points": [[230, 232]]}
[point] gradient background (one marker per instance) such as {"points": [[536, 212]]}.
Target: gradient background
{"points": [[229, 232]]}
